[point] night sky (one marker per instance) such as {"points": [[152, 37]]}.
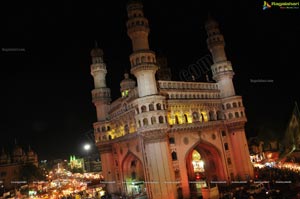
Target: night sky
{"points": [[46, 83]]}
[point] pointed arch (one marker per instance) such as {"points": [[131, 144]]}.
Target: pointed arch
{"points": [[133, 174], [151, 107], [185, 118], [161, 119], [212, 160], [220, 115], [176, 119], [153, 120], [145, 122], [211, 115]]}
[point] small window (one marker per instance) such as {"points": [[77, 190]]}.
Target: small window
{"points": [[176, 119], [223, 133], [195, 116], [226, 146], [236, 114], [145, 122], [185, 118], [158, 106], [202, 117], [161, 119], [172, 140], [153, 120], [174, 155], [234, 104], [151, 107], [144, 109]]}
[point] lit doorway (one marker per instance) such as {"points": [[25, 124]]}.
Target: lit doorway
{"points": [[133, 176]]}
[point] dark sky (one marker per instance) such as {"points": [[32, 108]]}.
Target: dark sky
{"points": [[46, 84]]}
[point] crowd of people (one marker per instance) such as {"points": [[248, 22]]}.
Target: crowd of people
{"points": [[278, 182]]}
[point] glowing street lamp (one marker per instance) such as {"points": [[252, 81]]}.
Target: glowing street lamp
{"points": [[87, 148]]}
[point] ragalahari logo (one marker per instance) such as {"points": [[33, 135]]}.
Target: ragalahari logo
{"points": [[281, 5], [266, 5]]}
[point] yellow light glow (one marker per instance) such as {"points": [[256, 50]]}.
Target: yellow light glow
{"points": [[198, 164]]}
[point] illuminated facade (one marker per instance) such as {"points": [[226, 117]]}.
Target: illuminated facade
{"points": [[161, 135], [76, 163]]}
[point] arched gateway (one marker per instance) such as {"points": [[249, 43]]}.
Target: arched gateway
{"points": [[133, 175], [204, 165]]}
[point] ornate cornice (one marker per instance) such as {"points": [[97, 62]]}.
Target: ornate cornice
{"points": [[236, 126], [196, 126], [154, 136]]}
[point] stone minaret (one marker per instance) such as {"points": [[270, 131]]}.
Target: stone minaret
{"points": [[221, 69], [101, 94], [101, 99], [233, 108], [143, 60], [152, 126]]}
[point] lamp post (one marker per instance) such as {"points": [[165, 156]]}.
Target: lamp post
{"points": [[87, 148]]}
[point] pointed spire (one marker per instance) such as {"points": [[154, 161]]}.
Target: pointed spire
{"points": [[210, 21], [126, 74], [96, 51]]}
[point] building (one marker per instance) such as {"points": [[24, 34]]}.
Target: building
{"points": [[11, 164], [76, 163], [86, 164], [162, 135]]}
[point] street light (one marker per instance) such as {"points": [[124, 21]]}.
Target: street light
{"points": [[87, 148]]}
